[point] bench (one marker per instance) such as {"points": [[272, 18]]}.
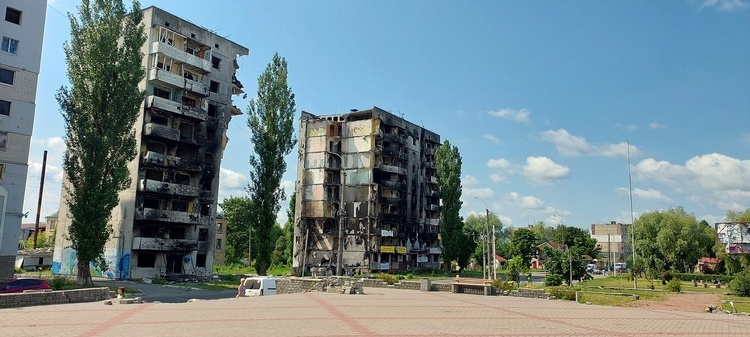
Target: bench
{"points": [[461, 283]]}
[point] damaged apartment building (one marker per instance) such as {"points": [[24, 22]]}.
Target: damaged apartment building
{"points": [[367, 195], [165, 222]]}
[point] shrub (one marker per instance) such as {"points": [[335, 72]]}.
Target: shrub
{"points": [[667, 276], [741, 285], [553, 280], [58, 283], [674, 286], [387, 278], [503, 285], [563, 293]]}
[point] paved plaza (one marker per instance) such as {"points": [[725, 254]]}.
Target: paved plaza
{"points": [[381, 312]]}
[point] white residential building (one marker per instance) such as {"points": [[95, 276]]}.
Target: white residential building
{"points": [[22, 32]]}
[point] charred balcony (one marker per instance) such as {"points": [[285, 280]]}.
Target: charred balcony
{"points": [[155, 186], [167, 78], [161, 244], [158, 159], [154, 214], [161, 131], [163, 104]]}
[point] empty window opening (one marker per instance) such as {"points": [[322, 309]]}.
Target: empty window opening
{"points": [[200, 261], [188, 101], [13, 15], [203, 234], [205, 209], [209, 158], [177, 233], [214, 87], [212, 110], [147, 232], [162, 93], [7, 76], [186, 131], [210, 136], [146, 260], [182, 178], [179, 206], [218, 244], [157, 119], [3, 140], [9, 45], [215, 62], [151, 203], [155, 175], [4, 107], [156, 147]]}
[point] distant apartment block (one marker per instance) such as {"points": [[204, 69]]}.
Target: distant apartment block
{"points": [[613, 239], [221, 242], [22, 32], [165, 224], [367, 194]]}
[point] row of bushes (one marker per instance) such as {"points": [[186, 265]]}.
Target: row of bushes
{"points": [[688, 277]]}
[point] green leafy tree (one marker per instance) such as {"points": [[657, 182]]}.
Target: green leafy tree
{"points": [[278, 235], [238, 211], [453, 238], [543, 232], [99, 108], [515, 267], [41, 241], [271, 122], [475, 225], [524, 244], [671, 239], [289, 228], [571, 262]]}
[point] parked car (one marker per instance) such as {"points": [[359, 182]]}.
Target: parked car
{"points": [[260, 286], [621, 267], [19, 285]]}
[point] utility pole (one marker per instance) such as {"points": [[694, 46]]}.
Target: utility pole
{"points": [[39, 204], [632, 221]]}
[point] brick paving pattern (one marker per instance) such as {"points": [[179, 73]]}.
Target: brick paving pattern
{"points": [[382, 312]]}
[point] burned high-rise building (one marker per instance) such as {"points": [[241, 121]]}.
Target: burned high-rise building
{"points": [[367, 194]]}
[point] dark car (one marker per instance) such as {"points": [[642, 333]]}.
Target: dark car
{"points": [[19, 285]]}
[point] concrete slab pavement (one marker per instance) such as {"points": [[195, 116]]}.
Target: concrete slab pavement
{"points": [[382, 312]]}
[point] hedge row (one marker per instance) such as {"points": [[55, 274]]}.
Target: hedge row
{"points": [[709, 278]]}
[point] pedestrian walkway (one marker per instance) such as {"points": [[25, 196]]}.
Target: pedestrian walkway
{"points": [[381, 312]]}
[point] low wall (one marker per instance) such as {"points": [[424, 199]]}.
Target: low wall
{"points": [[291, 285], [53, 297]]}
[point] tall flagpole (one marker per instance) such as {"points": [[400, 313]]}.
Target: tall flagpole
{"points": [[632, 221]]}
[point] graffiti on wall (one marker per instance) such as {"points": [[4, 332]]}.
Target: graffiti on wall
{"points": [[65, 262], [734, 236]]}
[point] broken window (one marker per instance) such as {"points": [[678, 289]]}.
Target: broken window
{"points": [[156, 147], [182, 178], [179, 206], [159, 119], [203, 234], [212, 110], [188, 101], [200, 261], [146, 260], [151, 203], [214, 87], [155, 175], [205, 209], [218, 244], [161, 93], [177, 233]]}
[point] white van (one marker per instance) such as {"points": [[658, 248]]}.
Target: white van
{"points": [[260, 286]]}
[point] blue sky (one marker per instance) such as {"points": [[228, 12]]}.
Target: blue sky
{"points": [[540, 97]]}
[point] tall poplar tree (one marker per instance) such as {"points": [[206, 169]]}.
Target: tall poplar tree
{"points": [[100, 107], [270, 119], [455, 242]]}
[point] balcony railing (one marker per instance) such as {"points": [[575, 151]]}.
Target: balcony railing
{"points": [[160, 244], [191, 60], [171, 79], [148, 185], [170, 216], [156, 158], [392, 169], [162, 131], [156, 102]]}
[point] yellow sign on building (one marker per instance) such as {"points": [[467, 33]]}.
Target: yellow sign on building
{"points": [[401, 250], [387, 249]]}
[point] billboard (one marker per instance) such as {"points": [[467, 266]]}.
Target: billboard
{"points": [[734, 236]]}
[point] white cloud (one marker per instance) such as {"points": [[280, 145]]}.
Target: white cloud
{"points": [[468, 180], [713, 179], [649, 194], [575, 146], [507, 221], [497, 178], [492, 138], [499, 163], [655, 126], [542, 170], [231, 179], [481, 193], [518, 116], [724, 5], [527, 201]]}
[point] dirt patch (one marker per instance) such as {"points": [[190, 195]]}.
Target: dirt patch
{"points": [[690, 302]]}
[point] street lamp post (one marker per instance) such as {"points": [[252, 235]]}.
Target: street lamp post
{"points": [[484, 256], [341, 213], [494, 267]]}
